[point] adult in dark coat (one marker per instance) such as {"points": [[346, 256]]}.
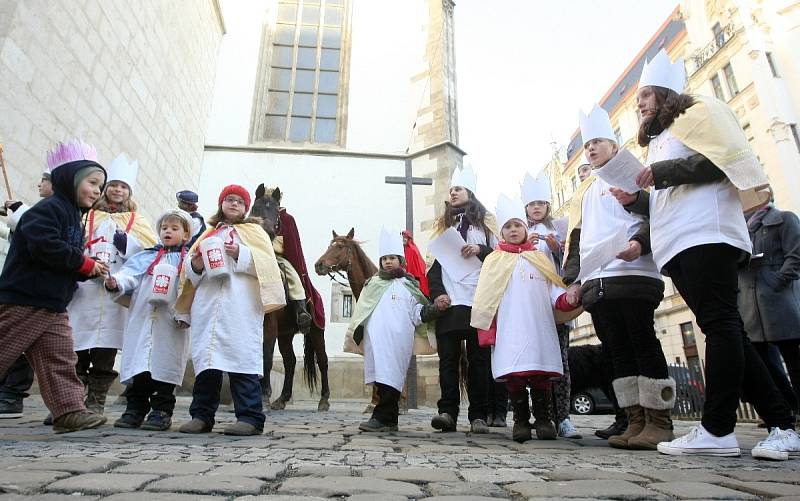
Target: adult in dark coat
{"points": [[769, 297]]}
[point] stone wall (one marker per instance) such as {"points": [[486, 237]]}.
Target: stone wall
{"points": [[134, 77]]}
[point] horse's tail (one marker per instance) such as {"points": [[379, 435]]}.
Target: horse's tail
{"points": [[310, 363]]}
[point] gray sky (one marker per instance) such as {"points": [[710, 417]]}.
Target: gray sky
{"points": [[525, 69]]}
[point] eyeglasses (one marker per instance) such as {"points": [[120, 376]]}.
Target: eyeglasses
{"points": [[233, 200], [539, 203]]}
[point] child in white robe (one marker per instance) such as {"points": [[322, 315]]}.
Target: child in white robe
{"points": [[517, 291], [388, 315], [155, 347]]}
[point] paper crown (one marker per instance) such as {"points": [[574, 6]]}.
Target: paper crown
{"points": [[464, 177], [661, 72], [536, 189], [596, 125], [508, 209], [122, 169], [70, 152], [391, 243]]}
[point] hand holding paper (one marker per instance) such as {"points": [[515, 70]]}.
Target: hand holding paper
{"points": [[447, 249]]}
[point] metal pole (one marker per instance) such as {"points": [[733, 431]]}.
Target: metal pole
{"points": [[411, 374]]}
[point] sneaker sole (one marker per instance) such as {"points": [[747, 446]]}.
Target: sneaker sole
{"points": [[88, 426], [11, 415], [721, 452], [438, 425], [155, 428], [769, 454], [127, 426], [381, 429]]}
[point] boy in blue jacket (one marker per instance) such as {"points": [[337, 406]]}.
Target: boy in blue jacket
{"points": [[44, 263]]}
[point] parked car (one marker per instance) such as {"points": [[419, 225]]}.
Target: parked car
{"points": [[591, 401]]}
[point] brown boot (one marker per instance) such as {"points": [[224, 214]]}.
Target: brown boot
{"points": [[97, 392], [521, 432], [657, 428], [543, 414], [78, 420], [635, 426]]}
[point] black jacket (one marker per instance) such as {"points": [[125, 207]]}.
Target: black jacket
{"points": [[41, 269]]}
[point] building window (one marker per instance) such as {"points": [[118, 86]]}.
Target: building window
{"points": [[772, 66], [687, 333], [730, 79], [717, 84], [618, 135], [574, 183], [347, 306], [796, 136], [302, 76]]}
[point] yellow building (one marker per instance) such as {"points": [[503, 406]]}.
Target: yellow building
{"points": [[742, 52]]}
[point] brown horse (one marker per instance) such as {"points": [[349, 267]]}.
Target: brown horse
{"points": [[282, 326]]}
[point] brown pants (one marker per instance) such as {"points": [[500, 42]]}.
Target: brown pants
{"points": [[46, 339]]}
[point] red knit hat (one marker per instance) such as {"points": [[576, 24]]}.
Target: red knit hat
{"points": [[235, 189]]}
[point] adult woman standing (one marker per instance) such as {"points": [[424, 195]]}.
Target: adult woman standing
{"points": [[467, 215]]}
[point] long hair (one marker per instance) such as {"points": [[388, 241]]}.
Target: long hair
{"points": [[669, 105], [473, 209], [547, 220]]}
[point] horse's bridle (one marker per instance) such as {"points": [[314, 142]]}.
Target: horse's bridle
{"points": [[338, 271]]}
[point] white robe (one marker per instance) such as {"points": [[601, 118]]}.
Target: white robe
{"points": [[227, 317], [463, 292], [526, 331], [152, 341], [389, 336], [96, 320]]}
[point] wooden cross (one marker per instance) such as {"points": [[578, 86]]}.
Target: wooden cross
{"points": [[409, 181]]}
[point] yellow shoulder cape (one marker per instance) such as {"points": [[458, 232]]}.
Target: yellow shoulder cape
{"points": [[711, 128], [270, 282], [493, 282], [141, 228]]}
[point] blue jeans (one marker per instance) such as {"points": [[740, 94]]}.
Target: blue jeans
{"points": [[15, 384], [246, 392]]}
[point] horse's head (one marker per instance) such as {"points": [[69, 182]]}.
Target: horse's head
{"points": [[267, 208], [338, 255]]}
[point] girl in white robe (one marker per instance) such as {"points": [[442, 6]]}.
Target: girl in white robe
{"points": [[227, 317], [114, 232], [155, 347]]}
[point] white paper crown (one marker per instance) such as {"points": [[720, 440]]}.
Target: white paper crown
{"points": [[596, 125], [464, 177], [661, 72], [391, 243], [508, 209], [122, 169], [70, 152], [536, 189]]}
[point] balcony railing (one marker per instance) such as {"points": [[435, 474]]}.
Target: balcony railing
{"points": [[705, 54]]}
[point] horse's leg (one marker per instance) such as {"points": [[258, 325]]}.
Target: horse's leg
{"points": [[289, 362], [318, 339], [270, 331]]}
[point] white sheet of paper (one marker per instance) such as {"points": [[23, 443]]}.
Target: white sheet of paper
{"points": [[561, 225], [446, 248], [621, 171], [603, 252]]}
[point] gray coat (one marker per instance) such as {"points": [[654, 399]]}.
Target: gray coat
{"points": [[769, 297]]}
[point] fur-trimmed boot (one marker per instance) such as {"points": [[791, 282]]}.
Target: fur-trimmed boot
{"points": [[627, 392], [520, 405], [657, 396], [543, 412], [97, 390]]}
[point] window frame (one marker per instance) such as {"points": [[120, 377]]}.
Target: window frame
{"points": [[730, 80]]}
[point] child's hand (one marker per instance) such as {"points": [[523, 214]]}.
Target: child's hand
{"points": [[111, 283], [632, 253], [197, 262], [100, 269], [574, 294], [470, 250], [552, 242], [623, 197], [232, 250], [442, 302]]}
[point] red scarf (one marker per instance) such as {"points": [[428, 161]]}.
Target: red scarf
{"points": [[516, 248]]}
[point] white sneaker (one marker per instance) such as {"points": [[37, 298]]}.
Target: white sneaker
{"points": [[566, 430], [779, 445], [700, 442]]}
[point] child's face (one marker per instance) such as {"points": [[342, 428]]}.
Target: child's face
{"points": [[459, 196], [172, 232], [514, 232], [89, 189], [117, 192], [233, 208], [45, 188], [536, 210], [599, 151], [390, 263]]}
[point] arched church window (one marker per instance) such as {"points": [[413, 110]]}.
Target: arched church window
{"points": [[302, 83]]}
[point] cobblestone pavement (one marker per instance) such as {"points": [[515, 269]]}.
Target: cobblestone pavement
{"points": [[306, 455]]}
